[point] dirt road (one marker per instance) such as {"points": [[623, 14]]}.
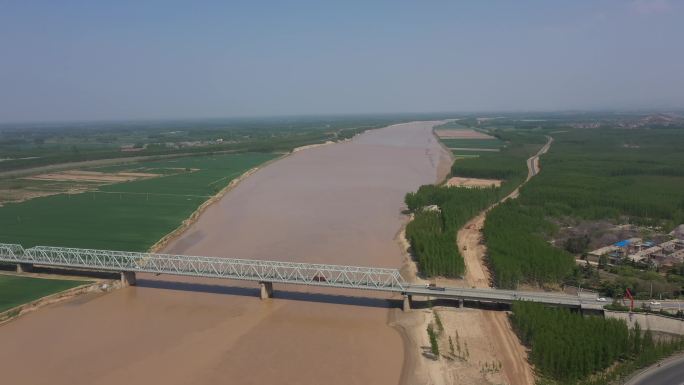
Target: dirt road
{"points": [[469, 239]]}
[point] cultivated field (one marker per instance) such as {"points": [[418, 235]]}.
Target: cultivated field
{"points": [[491, 143], [461, 134], [467, 143], [130, 215], [19, 290]]}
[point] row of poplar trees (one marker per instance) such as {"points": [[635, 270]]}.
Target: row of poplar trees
{"points": [[567, 347], [438, 214]]}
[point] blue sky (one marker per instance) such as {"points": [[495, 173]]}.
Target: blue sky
{"points": [[80, 60]]}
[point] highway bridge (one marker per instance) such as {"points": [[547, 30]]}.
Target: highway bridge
{"points": [[267, 273]]}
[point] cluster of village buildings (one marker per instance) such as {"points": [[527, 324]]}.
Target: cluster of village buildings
{"points": [[175, 145], [646, 253]]}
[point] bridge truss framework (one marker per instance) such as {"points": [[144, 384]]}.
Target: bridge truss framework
{"points": [[354, 277], [269, 272]]}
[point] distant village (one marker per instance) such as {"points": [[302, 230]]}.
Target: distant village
{"points": [[647, 254], [173, 145]]}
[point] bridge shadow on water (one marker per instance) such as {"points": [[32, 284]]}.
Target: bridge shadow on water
{"points": [[279, 293], [318, 297]]}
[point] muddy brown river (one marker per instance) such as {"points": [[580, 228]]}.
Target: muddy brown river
{"points": [[337, 203]]}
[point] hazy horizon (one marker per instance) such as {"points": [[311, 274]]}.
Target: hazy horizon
{"points": [[82, 61], [427, 115]]}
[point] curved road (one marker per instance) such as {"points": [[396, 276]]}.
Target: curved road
{"points": [[671, 372], [533, 162]]}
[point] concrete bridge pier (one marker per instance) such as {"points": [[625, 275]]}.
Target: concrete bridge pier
{"points": [[407, 302], [461, 303], [127, 278], [266, 290], [24, 267]]}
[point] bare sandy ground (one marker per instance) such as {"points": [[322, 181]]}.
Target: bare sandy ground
{"points": [[473, 182], [80, 181], [474, 360], [18, 195], [93, 176], [300, 148], [94, 163], [338, 203]]}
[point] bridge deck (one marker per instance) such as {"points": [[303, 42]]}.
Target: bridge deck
{"points": [[352, 277]]}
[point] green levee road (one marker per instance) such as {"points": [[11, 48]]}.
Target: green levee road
{"points": [[473, 143], [125, 216], [15, 291]]}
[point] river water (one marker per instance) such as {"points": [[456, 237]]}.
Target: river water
{"points": [[337, 203]]}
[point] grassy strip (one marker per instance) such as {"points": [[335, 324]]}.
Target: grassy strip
{"points": [[16, 290]]}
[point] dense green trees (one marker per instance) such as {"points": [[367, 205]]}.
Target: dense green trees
{"points": [[577, 245], [634, 175], [517, 249], [432, 233], [625, 175], [567, 347]]}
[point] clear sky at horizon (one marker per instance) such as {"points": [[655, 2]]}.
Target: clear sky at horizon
{"points": [[79, 60]]}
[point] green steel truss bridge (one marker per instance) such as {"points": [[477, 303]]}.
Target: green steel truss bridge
{"points": [[267, 273]]}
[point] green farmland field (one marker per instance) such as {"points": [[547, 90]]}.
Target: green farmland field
{"points": [[125, 216], [456, 124], [15, 291], [472, 143]]}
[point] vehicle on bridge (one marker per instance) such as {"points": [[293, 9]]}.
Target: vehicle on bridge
{"points": [[433, 286], [319, 278]]}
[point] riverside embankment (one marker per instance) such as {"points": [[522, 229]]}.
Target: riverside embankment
{"points": [[339, 203]]}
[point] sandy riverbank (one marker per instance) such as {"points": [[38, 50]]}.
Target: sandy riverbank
{"points": [[466, 327], [497, 354]]}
